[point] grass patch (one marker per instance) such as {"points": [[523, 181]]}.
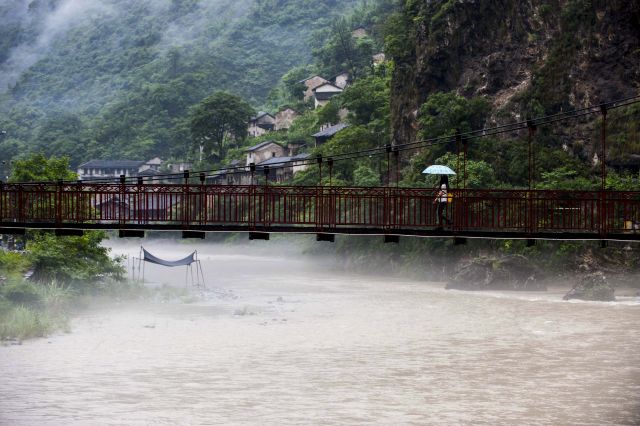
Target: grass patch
{"points": [[28, 310], [21, 322]]}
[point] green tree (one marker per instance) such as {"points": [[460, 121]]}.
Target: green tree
{"points": [[218, 122], [350, 139], [364, 175], [368, 102], [329, 114], [40, 168], [343, 52], [77, 261], [444, 113]]}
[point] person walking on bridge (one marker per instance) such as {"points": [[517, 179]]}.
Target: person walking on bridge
{"points": [[441, 200]]}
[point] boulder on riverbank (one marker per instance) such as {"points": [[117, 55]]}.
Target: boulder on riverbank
{"points": [[592, 286], [514, 272]]}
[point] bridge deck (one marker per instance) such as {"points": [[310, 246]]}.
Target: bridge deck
{"points": [[501, 213]]}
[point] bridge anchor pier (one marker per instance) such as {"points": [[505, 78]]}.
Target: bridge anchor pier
{"points": [[325, 237], [392, 239], [130, 233], [193, 234], [259, 236]]}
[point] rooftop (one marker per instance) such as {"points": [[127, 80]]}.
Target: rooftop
{"points": [[283, 161], [112, 164], [260, 145], [330, 131], [260, 115]]}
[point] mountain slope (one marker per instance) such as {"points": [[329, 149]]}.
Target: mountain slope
{"points": [[115, 78]]}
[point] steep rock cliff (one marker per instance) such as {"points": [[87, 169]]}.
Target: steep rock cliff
{"points": [[527, 57]]}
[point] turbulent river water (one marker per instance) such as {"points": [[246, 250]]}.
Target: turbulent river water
{"points": [[282, 339]]}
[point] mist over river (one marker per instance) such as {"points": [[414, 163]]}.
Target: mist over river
{"points": [[279, 338]]}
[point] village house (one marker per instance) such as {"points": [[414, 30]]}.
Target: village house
{"points": [[110, 169], [311, 83], [327, 133], [153, 164], [285, 117], [111, 208], [106, 169], [233, 174], [266, 154], [261, 124], [282, 169], [263, 151], [148, 174], [324, 92]]}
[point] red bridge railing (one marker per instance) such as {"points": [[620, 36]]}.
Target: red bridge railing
{"points": [[338, 209]]}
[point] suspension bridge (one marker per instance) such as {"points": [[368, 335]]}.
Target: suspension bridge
{"points": [[133, 206]]}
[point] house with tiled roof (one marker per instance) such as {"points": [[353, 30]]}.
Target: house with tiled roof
{"points": [[282, 169], [285, 117], [311, 83], [327, 133], [262, 123], [109, 169], [106, 169], [324, 92], [263, 151]]}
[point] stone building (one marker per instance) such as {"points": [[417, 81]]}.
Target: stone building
{"points": [[324, 92], [263, 151], [285, 117], [261, 124], [109, 169], [311, 83]]}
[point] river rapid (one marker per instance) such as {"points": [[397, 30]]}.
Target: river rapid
{"points": [[280, 339]]}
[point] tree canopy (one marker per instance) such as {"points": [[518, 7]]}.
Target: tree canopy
{"points": [[38, 167], [219, 122]]}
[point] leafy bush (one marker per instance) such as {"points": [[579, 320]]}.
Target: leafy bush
{"points": [[76, 261], [13, 262]]}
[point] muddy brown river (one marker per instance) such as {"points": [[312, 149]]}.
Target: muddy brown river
{"points": [[278, 339]]}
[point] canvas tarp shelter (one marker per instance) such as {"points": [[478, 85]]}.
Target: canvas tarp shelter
{"points": [[195, 276], [148, 257]]}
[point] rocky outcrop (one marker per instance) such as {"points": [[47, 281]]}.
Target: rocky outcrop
{"points": [[564, 54], [592, 286], [513, 272]]}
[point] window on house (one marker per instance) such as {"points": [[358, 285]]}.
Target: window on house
{"points": [[273, 154]]}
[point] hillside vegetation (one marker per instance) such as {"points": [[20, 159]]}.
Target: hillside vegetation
{"points": [[115, 79]]}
